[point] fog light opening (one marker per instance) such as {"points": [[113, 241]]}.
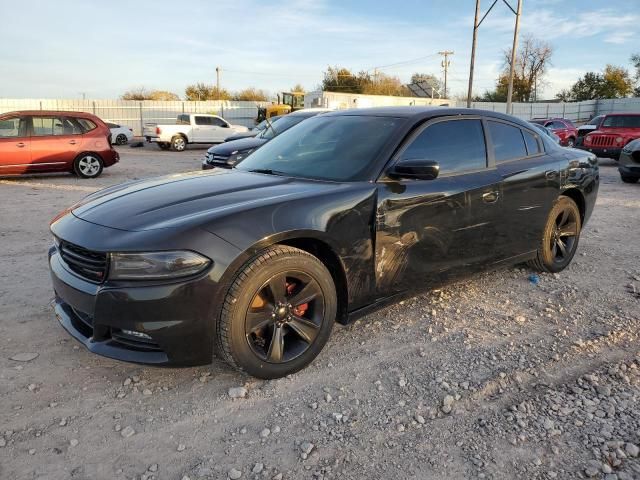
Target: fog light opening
{"points": [[133, 333]]}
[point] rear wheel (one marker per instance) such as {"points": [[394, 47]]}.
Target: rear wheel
{"points": [[121, 139], [560, 237], [178, 143], [627, 179], [88, 165], [278, 313]]}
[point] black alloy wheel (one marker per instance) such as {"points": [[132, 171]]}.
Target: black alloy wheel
{"points": [[278, 313], [560, 237]]}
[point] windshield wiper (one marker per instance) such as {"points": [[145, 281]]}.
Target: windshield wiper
{"points": [[266, 171]]}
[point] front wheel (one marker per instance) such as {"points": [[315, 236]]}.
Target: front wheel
{"points": [[121, 139], [178, 143], [88, 165], [278, 313], [560, 237], [571, 142]]}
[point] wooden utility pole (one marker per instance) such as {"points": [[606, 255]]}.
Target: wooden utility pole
{"points": [[218, 70], [473, 53], [513, 57], [445, 65]]}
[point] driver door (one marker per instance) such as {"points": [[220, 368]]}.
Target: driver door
{"points": [[428, 231]]}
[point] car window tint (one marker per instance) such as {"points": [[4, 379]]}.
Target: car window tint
{"points": [[203, 120], [533, 148], [622, 121], [183, 120], [558, 125], [508, 143], [86, 125], [10, 127], [46, 126], [218, 122], [457, 145]]}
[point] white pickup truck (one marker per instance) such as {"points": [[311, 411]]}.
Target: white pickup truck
{"points": [[191, 128]]}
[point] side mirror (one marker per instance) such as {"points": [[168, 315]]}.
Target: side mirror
{"points": [[416, 169]]}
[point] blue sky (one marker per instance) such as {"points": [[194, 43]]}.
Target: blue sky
{"points": [[62, 48]]}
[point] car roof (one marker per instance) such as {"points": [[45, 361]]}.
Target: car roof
{"points": [[307, 112], [49, 112], [424, 113], [621, 114]]}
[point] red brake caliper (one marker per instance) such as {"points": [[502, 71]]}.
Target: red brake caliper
{"points": [[298, 310]]}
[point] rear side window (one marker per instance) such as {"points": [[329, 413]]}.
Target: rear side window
{"points": [[12, 127], [53, 126], [86, 125], [508, 142], [533, 147], [457, 145]]}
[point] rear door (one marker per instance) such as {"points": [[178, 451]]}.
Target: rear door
{"points": [[428, 231], [55, 142], [15, 145], [530, 184]]}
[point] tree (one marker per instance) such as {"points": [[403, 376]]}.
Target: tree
{"points": [[383, 84], [201, 91], [614, 82], [298, 88], [251, 94], [141, 93], [338, 79], [532, 61], [431, 81], [635, 59]]}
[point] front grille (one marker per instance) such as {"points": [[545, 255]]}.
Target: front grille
{"points": [[602, 140], [86, 263]]}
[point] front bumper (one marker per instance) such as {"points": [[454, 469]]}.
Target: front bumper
{"points": [[628, 166], [173, 322], [602, 152]]}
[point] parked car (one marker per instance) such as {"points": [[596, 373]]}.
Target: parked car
{"points": [[615, 131], [333, 218], [191, 128], [42, 141], [588, 127], [562, 127], [228, 154], [629, 163], [546, 131], [119, 135], [255, 130]]}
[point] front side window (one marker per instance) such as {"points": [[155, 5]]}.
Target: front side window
{"points": [[456, 145], [217, 122], [508, 143], [338, 148], [203, 120], [11, 127]]}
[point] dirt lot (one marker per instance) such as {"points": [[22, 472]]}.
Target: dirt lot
{"points": [[494, 377]]}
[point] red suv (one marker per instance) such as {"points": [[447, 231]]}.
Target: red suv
{"points": [[562, 127], [615, 131], [47, 141]]}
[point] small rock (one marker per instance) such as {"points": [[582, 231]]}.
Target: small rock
{"points": [[631, 450], [234, 474], [3, 442], [277, 477], [265, 433], [402, 382], [74, 442], [548, 424], [257, 468], [328, 398], [25, 357], [32, 451], [126, 382], [419, 418], [238, 392], [153, 468], [448, 400], [146, 391], [181, 447], [127, 431], [606, 468], [275, 429], [306, 447]]}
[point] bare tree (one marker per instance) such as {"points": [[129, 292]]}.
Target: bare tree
{"points": [[532, 62]]}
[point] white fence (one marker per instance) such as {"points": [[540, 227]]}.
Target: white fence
{"points": [[135, 114]]}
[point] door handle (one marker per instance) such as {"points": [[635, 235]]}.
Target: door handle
{"points": [[490, 197], [72, 142], [550, 174], [20, 144]]}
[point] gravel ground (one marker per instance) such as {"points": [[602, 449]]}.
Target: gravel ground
{"points": [[494, 377]]}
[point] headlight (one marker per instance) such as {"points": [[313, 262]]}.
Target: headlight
{"points": [[238, 156], [156, 265]]}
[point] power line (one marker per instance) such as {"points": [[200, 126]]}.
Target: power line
{"points": [[445, 65]]}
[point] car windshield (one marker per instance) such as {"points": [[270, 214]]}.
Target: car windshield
{"points": [[286, 123], [337, 148], [622, 121], [265, 123]]}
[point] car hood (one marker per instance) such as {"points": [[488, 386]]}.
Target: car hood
{"points": [[238, 136], [228, 148], [192, 199]]}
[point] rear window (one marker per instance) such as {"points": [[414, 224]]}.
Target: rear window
{"points": [[86, 125], [533, 147], [508, 142], [622, 121]]}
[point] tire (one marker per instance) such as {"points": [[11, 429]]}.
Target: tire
{"points": [[88, 165], [164, 146], [121, 139], [571, 142], [249, 342], [627, 179], [179, 143], [560, 237]]}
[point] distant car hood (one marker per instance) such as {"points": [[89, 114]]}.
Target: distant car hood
{"points": [[587, 127], [228, 148], [238, 136], [191, 199]]}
